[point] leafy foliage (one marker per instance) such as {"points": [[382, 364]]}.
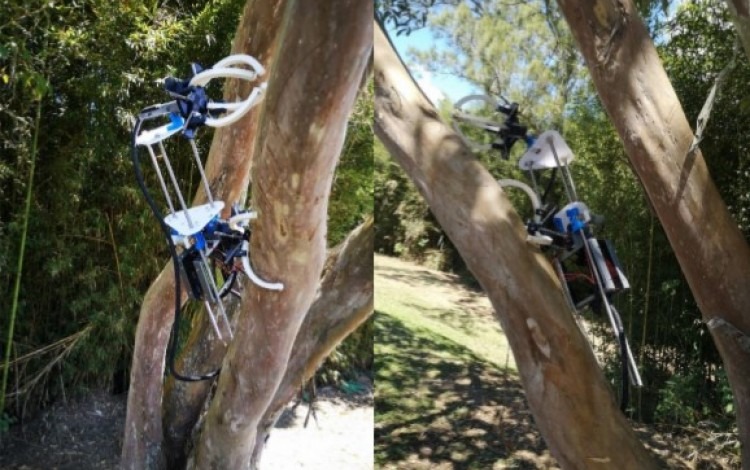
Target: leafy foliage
{"points": [[522, 51], [408, 16], [352, 192], [92, 247]]}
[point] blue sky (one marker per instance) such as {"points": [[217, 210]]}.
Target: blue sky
{"points": [[435, 86]]}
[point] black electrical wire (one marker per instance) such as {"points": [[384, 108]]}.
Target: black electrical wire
{"points": [[174, 337], [549, 185]]}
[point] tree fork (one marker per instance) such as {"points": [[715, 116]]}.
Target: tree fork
{"points": [[345, 300], [183, 402], [572, 403], [642, 105]]}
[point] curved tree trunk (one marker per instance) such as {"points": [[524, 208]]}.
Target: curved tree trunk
{"points": [[312, 88], [642, 105], [571, 402]]}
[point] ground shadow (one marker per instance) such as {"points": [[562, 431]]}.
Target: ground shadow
{"points": [[414, 276], [437, 405]]}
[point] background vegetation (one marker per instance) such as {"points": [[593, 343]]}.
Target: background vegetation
{"points": [[92, 247], [524, 52]]}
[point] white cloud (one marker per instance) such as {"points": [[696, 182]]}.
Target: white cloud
{"points": [[424, 80]]}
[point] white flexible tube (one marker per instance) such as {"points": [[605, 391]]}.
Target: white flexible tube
{"points": [[479, 122], [476, 121], [535, 202], [245, 59], [236, 222], [237, 109], [225, 68], [202, 78], [254, 277]]}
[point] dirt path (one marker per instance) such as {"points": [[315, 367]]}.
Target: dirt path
{"points": [[340, 438], [86, 434]]}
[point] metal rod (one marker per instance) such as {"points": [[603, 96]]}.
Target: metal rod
{"points": [[635, 376], [560, 165], [174, 182], [203, 174], [212, 318], [161, 178], [614, 316], [215, 294], [570, 181], [533, 180]]}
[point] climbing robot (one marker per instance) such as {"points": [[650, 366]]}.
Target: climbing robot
{"points": [[587, 266], [208, 251]]}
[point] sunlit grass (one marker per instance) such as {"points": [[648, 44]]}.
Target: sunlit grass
{"points": [[438, 303]]}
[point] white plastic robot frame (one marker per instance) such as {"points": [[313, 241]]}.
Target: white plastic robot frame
{"points": [[588, 268], [209, 250]]}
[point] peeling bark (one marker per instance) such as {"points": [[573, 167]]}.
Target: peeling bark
{"points": [[344, 301], [571, 401], [713, 254], [312, 87]]}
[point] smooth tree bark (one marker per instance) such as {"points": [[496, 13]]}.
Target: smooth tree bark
{"points": [[228, 170], [142, 441], [345, 300], [312, 87], [712, 251], [571, 401]]}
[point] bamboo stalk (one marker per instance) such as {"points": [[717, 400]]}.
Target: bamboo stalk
{"points": [[61, 343], [645, 308], [21, 253], [117, 258]]}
